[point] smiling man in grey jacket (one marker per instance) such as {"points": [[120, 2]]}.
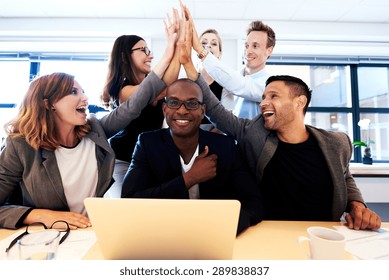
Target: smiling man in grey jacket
{"points": [[303, 171]]}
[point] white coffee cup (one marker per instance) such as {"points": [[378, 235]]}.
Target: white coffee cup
{"points": [[324, 244], [39, 245]]}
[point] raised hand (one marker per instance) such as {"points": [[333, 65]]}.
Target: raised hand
{"points": [[184, 45], [172, 27], [187, 38], [171, 31], [197, 46]]}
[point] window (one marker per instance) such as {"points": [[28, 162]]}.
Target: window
{"points": [[90, 74], [339, 102], [378, 134], [373, 87], [330, 84], [344, 91], [331, 90], [334, 121], [14, 82], [373, 103], [16, 75]]}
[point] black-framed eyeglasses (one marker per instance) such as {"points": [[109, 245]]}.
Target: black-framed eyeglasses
{"points": [[189, 104], [61, 226], [146, 50]]}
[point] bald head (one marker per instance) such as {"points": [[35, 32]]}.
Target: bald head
{"points": [[183, 88]]}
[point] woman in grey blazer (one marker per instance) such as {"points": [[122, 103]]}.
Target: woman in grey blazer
{"points": [[56, 155]]}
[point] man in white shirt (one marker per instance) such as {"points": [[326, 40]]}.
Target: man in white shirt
{"points": [[248, 85]]}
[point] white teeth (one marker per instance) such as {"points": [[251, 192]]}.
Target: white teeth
{"points": [[268, 113], [82, 109], [182, 121]]}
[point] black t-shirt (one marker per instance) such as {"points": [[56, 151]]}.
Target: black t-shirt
{"points": [[297, 184], [123, 143]]}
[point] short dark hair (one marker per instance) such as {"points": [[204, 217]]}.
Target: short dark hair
{"points": [[298, 87], [187, 81]]}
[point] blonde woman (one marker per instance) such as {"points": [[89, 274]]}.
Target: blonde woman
{"points": [[211, 41]]}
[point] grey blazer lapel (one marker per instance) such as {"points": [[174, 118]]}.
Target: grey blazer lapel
{"points": [[104, 167], [268, 151], [50, 164], [329, 148], [100, 141]]}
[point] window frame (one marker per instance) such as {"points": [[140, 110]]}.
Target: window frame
{"points": [[352, 62]]}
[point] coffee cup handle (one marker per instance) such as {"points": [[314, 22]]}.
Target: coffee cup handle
{"points": [[300, 241]]}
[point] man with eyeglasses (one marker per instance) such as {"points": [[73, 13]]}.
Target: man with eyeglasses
{"points": [[185, 162]]}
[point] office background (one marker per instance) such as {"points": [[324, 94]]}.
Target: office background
{"points": [[340, 48]]}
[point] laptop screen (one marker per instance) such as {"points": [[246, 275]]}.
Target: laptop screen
{"points": [[129, 228]]}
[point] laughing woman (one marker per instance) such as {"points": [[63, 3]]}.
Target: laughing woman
{"points": [[56, 155], [129, 64]]}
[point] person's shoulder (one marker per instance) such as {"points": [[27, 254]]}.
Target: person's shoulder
{"points": [[258, 118], [215, 135], [93, 120], [338, 135], [95, 124], [260, 76], [15, 140], [153, 134], [255, 124], [92, 117], [18, 143], [217, 139]]}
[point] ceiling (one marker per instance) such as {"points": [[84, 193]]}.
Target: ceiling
{"points": [[368, 11], [355, 27]]}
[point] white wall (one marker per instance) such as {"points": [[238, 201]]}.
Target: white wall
{"points": [[97, 35], [374, 189]]}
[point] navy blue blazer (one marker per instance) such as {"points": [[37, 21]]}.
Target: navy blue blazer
{"points": [[155, 172]]}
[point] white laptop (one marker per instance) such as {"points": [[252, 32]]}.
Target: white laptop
{"points": [[160, 229]]}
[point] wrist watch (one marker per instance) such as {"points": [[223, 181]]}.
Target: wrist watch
{"points": [[203, 53]]}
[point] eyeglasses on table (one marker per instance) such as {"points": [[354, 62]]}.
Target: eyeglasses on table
{"points": [[60, 225]]}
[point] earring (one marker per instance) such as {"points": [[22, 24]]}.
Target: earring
{"points": [[53, 109]]}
